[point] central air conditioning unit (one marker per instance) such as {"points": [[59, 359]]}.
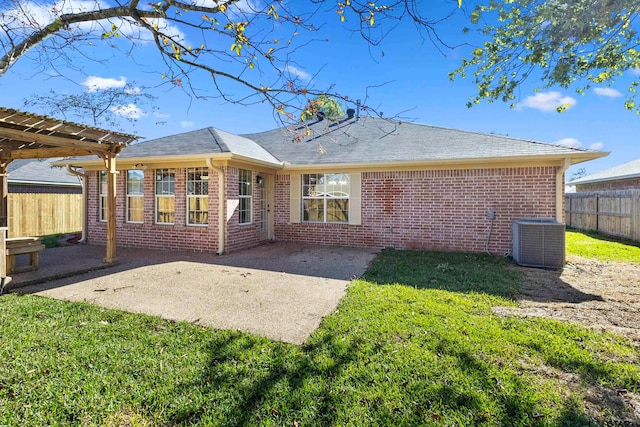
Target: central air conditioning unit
{"points": [[538, 242]]}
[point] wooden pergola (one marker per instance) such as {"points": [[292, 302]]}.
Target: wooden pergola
{"points": [[31, 136]]}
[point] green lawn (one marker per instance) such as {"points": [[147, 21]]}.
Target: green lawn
{"points": [[593, 245], [414, 342]]}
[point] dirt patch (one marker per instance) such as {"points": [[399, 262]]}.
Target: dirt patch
{"points": [[604, 296]]}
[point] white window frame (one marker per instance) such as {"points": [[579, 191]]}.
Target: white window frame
{"points": [[325, 195], [203, 172], [102, 186], [167, 195], [132, 196], [248, 198]]}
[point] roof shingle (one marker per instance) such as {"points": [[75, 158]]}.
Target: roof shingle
{"points": [[372, 140]]}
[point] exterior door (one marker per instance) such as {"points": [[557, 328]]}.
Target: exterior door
{"points": [[266, 208]]}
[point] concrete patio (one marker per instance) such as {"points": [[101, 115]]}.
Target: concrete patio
{"points": [[278, 290]]}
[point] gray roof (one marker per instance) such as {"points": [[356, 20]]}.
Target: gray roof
{"points": [[372, 140], [349, 141], [35, 171], [203, 141], [627, 170]]}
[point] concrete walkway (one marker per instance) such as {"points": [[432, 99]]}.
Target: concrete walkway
{"points": [[278, 290]]}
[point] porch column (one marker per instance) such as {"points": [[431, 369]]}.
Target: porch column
{"points": [[110, 163], [4, 193], [3, 256]]}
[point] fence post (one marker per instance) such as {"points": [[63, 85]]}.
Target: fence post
{"points": [[635, 215], [597, 212]]}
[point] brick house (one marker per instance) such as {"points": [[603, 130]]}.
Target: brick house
{"points": [[621, 177], [356, 181]]}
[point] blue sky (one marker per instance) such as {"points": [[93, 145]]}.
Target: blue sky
{"points": [[410, 79]]}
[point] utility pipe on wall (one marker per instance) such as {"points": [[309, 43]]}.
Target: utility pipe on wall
{"points": [[560, 189], [85, 208], [221, 205]]}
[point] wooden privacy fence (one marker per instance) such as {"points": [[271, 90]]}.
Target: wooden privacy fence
{"points": [[616, 213], [40, 214]]}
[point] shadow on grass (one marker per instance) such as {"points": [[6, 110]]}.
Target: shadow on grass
{"points": [[356, 369], [248, 382], [455, 272], [472, 273], [257, 382]]}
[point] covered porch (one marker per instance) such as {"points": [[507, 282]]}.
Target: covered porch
{"points": [[31, 136]]}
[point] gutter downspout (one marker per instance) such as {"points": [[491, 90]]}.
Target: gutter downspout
{"points": [[85, 207], [221, 209], [560, 189]]}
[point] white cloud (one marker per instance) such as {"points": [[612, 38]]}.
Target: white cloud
{"points": [[186, 124], [240, 7], [295, 72], [636, 71], [94, 83], [547, 101], [140, 34], [161, 115], [129, 111], [37, 15], [569, 142], [132, 90], [32, 15], [608, 92], [574, 143]]}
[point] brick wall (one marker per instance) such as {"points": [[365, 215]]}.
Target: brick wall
{"points": [[149, 234], [246, 235], [621, 184], [439, 210], [179, 235]]}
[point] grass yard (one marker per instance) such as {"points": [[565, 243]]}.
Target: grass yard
{"points": [[414, 342], [593, 245]]}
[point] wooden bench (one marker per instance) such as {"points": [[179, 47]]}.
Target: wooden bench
{"points": [[20, 246]]}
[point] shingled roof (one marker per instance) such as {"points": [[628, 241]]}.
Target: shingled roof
{"points": [[375, 140], [350, 142], [36, 171], [207, 142], [624, 171]]}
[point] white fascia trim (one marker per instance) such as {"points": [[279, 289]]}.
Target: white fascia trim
{"points": [[124, 163]]}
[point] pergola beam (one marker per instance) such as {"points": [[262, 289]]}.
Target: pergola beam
{"points": [[53, 140], [40, 153]]}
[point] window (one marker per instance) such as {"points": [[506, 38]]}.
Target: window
{"points": [[103, 195], [165, 196], [245, 194], [197, 196], [325, 197], [135, 196]]}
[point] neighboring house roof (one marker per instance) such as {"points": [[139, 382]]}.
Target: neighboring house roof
{"points": [[374, 140], [40, 172], [627, 170], [207, 141], [349, 141]]}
